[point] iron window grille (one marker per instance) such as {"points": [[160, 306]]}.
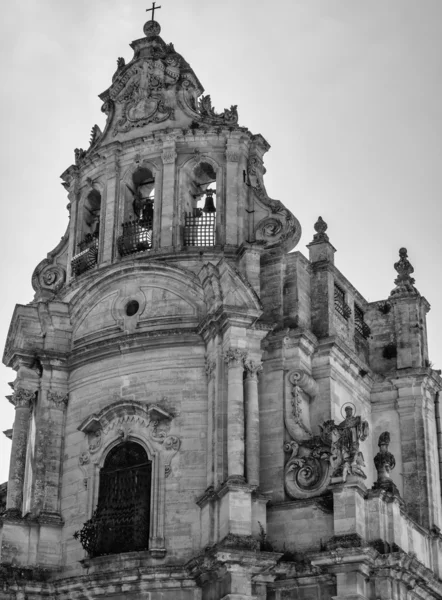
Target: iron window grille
{"points": [[199, 228], [341, 306], [121, 521], [136, 237], [361, 326], [88, 255]]}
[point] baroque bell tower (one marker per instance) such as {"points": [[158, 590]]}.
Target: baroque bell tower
{"points": [[201, 414]]}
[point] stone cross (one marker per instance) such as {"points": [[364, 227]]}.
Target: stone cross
{"points": [[153, 9]]}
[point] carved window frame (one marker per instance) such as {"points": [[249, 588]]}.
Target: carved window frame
{"points": [[147, 425]]}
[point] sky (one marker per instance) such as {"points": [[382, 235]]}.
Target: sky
{"points": [[347, 92]]}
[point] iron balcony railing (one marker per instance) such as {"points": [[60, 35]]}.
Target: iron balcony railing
{"points": [[341, 306], [199, 228], [87, 257], [136, 237], [361, 326]]}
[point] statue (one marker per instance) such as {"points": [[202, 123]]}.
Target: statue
{"points": [[346, 458], [385, 462]]}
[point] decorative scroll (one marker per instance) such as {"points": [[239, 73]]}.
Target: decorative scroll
{"points": [[307, 471]]}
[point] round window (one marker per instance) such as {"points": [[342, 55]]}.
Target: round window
{"points": [[132, 308]]}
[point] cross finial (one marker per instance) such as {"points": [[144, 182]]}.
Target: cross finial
{"points": [[153, 9]]}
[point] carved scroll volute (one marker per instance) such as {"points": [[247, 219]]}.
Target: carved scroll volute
{"points": [[307, 472]]}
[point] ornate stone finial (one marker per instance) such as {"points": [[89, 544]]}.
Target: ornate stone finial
{"points": [[384, 462], [404, 282], [320, 228]]}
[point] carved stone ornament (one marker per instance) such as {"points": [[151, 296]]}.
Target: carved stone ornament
{"points": [[232, 156], [320, 228], [269, 230], [125, 419], [48, 277], [23, 398], [210, 367], [385, 462], [252, 368], [169, 156], [228, 117], [234, 357], [58, 399], [404, 282], [346, 459], [307, 472]]}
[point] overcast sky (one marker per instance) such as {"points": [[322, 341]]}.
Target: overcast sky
{"points": [[347, 92]]}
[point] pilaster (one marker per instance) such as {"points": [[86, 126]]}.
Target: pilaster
{"points": [[108, 229], [167, 208]]}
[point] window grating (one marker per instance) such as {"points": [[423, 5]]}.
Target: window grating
{"points": [[341, 306], [361, 326], [199, 228], [87, 257], [121, 520], [137, 237]]}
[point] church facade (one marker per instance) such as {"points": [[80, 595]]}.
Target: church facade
{"points": [[201, 412]]}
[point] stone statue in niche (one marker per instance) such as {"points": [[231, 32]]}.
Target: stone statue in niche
{"points": [[307, 471], [346, 458], [385, 462]]}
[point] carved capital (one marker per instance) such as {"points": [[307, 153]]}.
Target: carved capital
{"points": [[58, 399], [253, 368], [23, 398], [210, 368], [169, 156], [234, 357], [232, 156]]}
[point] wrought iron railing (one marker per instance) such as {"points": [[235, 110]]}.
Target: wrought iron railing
{"points": [[136, 237], [199, 228], [87, 257], [341, 306], [361, 326]]}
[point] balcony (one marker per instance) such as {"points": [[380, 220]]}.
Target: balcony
{"points": [[199, 228], [136, 237], [87, 257]]}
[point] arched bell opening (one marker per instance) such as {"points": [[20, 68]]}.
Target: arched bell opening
{"points": [[121, 520], [89, 232], [138, 213], [200, 208]]}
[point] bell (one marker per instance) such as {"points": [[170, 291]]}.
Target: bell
{"points": [[209, 206]]}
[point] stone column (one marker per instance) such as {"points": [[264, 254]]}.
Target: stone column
{"points": [[167, 208], [23, 401], [252, 433], [234, 357]]}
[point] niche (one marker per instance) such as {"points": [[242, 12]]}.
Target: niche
{"points": [[91, 217], [142, 190]]}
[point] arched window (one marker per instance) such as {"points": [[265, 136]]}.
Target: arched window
{"points": [[200, 220], [87, 254], [138, 225], [121, 520]]}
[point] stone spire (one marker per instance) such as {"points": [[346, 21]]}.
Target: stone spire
{"points": [[404, 282]]}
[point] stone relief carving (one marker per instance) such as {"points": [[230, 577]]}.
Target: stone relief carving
{"points": [[252, 368], [307, 471], [210, 367], [346, 458], [169, 156]]}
